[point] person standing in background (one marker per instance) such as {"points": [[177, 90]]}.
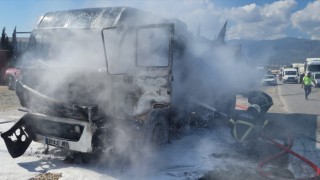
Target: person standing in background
{"points": [[301, 78]]}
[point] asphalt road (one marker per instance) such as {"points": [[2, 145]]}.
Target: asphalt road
{"points": [[303, 121], [293, 113]]}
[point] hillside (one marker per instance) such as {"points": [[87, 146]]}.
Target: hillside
{"points": [[279, 52]]}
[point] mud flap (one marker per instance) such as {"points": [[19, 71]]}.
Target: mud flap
{"points": [[18, 138]]}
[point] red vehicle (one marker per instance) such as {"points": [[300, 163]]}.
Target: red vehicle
{"points": [[3, 63], [10, 77]]}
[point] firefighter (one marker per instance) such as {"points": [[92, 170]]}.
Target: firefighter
{"points": [[247, 125], [307, 84]]}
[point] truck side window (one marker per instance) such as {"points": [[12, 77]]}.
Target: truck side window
{"points": [[153, 47]]}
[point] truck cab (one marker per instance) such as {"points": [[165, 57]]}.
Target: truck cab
{"points": [[312, 65], [96, 76], [93, 75]]}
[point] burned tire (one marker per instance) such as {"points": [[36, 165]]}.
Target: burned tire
{"points": [[156, 129]]}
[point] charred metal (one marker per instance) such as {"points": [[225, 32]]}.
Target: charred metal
{"points": [[95, 75]]}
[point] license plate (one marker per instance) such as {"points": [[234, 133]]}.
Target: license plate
{"points": [[56, 142]]}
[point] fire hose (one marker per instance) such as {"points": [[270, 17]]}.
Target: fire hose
{"points": [[285, 149]]}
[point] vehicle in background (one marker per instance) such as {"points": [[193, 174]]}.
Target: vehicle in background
{"points": [[269, 79], [10, 76], [4, 59], [312, 65], [316, 77], [289, 75], [300, 69], [9, 60]]}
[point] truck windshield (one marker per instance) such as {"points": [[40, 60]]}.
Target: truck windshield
{"points": [[317, 76], [314, 68], [291, 73], [142, 46], [65, 48]]}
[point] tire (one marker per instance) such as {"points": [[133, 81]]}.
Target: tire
{"points": [[11, 82], [156, 129]]}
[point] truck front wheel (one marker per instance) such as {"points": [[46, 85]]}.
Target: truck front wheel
{"points": [[156, 129]]}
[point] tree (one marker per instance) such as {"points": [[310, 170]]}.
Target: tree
{"points": [[14, 40], [5, 43], [3, 38]]}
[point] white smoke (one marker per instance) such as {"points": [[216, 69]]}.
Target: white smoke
{"points": [[78, 72]]}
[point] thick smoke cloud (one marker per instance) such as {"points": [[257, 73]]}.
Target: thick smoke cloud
{"points": [[71, 67]]}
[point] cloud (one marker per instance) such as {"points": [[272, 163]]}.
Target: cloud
{"points": [[308, 20], [246, 14], [250, 21], [260, 22], [245, 22]]}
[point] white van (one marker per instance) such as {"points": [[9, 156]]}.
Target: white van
{"points": [[316, 77], [290, 75]]}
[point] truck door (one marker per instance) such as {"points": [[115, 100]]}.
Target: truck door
{"points": [[139, 61], [154, 56]]}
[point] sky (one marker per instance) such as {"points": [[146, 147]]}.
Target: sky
{"points": [[247, 19]]}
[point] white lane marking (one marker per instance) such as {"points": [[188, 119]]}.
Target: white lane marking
{"points": [[318, 133]]}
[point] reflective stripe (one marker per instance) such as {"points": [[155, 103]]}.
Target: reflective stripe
{"points": [[256, 106], [246, 133]]}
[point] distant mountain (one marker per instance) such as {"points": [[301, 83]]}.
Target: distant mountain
{"points": [[278, 52]]}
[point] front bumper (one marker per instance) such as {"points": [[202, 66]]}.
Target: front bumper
{"points": [[269, 82], [60, 132], [290, 79]]}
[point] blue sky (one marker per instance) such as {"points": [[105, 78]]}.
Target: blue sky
{"points": [[247, 19]]}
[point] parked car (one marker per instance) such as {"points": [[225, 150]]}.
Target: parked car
{"points": [[316, 77], [10, 77], [269, 79]]}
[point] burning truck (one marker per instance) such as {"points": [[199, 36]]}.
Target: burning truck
{"points": [[92, 76]]}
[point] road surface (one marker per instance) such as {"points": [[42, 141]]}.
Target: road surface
{"points": [[189, 156], [303, 121]]}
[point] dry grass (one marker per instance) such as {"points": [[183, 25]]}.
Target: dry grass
{"points": [[47, 176]]}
